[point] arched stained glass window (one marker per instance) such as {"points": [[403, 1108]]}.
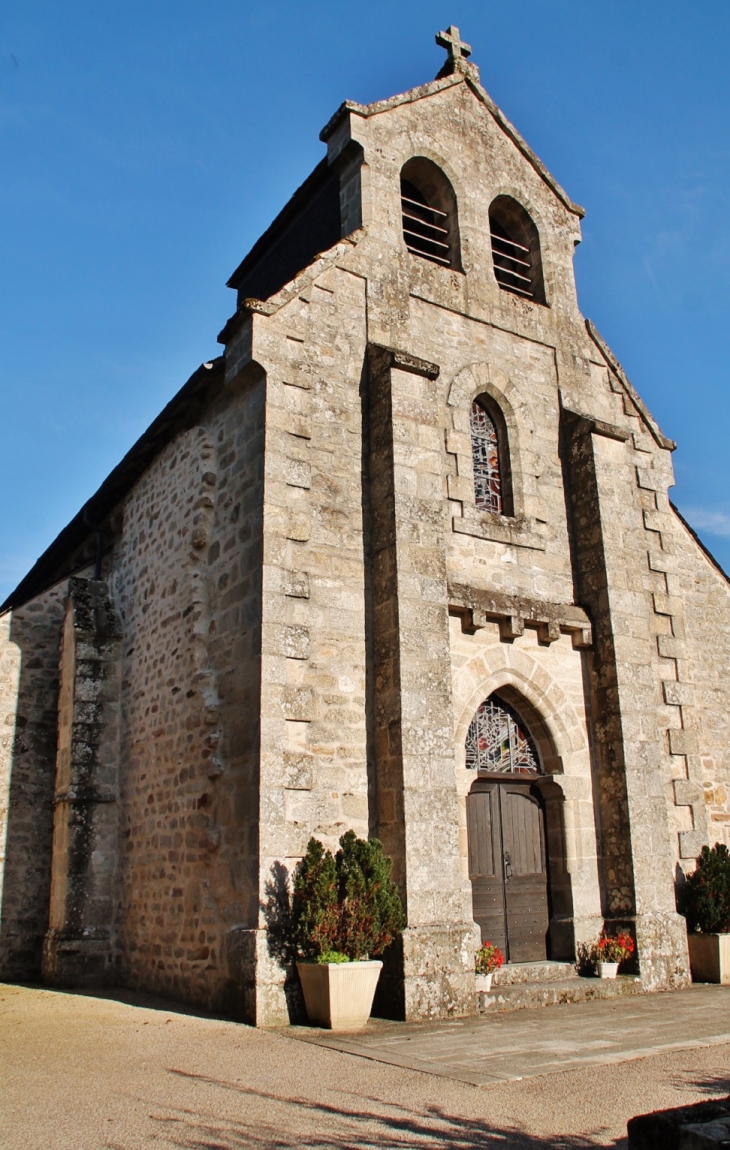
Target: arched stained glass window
{"points": [[485, 454], [497, 741]]}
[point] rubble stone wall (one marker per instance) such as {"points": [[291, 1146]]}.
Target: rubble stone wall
{"points": [[186, 582], [312, 607]]}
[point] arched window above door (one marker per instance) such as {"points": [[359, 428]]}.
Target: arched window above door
{"points": [[428, 205], [490, 458], [499, 742]]}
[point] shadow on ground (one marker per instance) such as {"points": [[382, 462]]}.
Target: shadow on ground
{"points": [[130, 997], [318, 1126], [716, 1086]]}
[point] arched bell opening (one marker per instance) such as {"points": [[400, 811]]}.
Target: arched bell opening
{"points": [[429, 213], [521, 891], [516, 250]]}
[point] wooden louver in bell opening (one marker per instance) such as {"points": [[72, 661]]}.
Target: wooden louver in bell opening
{"points": [[425, 229], [512, 263]]}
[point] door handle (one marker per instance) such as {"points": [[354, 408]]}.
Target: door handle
{"points": [[507, 864]]}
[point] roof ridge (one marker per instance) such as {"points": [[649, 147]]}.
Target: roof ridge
{"points": [[508, 127], [431, 89]]}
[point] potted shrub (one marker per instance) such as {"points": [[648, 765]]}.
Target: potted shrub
{"points": [[610, 951], [487, 960], [706, 906], [345, 909]]}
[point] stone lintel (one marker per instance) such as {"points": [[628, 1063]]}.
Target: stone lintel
{"points": [[513, 614], [402, 360], [587, 424]]}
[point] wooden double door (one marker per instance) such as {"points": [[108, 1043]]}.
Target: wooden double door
{"points": [[508, 865]]}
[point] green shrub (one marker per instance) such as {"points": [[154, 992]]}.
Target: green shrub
{"points": [[334, 957], [706, 897], [371, 909], [315, 910], [347, 903]]}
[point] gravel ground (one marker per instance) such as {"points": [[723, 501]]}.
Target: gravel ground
{"points": [[84, 1073]]}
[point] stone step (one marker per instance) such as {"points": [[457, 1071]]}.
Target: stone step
{"points": [[519, 972], [525, 995]]}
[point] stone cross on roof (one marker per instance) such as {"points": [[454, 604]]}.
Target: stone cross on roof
{"points": [[452, 42], [458, 51]]}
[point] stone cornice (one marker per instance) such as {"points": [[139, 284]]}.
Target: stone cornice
{"points": [[514, 613]]}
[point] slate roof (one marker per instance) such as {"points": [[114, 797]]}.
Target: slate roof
{"points": [[307, 225]]}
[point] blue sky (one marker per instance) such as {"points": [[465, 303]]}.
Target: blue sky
{"points": [[146, 146]]}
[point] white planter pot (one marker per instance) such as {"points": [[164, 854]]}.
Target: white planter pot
{"points": [[607, 969], [339, 995], [709, 957], [484, 982]]}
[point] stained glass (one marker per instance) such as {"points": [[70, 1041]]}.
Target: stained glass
{"points": [[485, 453], [497, 741]]}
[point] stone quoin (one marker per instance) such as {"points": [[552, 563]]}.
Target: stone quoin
{"points": [[401, 560]]}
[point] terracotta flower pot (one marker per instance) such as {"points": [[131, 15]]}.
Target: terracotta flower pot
{"points": [[484, 982], [339, 995], [607, 969]]}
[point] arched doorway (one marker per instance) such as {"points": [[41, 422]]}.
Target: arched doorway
{"points": [[506, 831]]}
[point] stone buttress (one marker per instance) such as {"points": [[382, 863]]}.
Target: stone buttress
{"points": [[304, 605]]}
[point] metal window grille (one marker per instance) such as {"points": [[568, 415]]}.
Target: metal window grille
{"points": [[498, 742], [485, 454], [425, 229], [512, 263]]}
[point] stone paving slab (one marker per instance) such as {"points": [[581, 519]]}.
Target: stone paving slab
{"points": [[506, 1047]]}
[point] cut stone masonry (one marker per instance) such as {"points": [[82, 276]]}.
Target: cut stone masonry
{"points": [[302, 611]]}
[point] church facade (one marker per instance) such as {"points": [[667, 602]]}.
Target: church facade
{"points": [[401, 560]]}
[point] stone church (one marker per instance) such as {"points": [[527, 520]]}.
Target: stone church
{"points": [[401, 560]]}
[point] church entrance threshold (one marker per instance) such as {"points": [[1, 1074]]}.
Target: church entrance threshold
{"points": [[508, 865]]}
